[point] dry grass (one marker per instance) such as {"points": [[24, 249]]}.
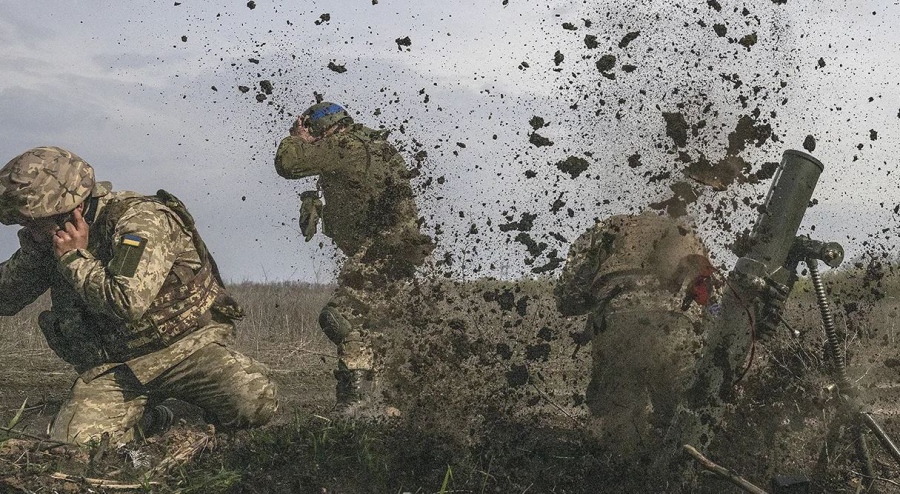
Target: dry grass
{"points": [[281, 321], [491, 385]]}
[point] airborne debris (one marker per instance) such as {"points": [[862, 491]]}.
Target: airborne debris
{"points": [[536, 122], [340, 69], [748, 41], [676, 206], [746, 131], [517, 376], [573, 165], [720, 176], [606, 63], [628, 38], [634, 160], [251, 5], [524, 224], [401, 42], [551, 265], [767, 170], [590, 41], [809, 143], [539, 140], [534, 248], [322, 19], [266, 86], [676, 128]]}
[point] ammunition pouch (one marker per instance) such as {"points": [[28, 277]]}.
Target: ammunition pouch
{"points": [[70, 339], [226, 309], [310, 212]]}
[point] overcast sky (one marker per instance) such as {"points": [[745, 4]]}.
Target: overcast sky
{"points": [[149, 95]]}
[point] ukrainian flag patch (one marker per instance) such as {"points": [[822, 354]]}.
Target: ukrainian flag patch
{"points": [[128, 254], [131, 240]]}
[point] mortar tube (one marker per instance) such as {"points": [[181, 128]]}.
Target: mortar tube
{"points": [[730, 337]]}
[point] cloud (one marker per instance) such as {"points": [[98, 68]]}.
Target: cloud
{"points": [[139, 103]]}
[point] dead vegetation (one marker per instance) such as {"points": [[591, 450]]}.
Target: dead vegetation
{"points": [[490, 383]]}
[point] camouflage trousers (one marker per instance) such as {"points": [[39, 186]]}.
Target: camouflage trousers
{"points": [[233, 390], [364, 304], [644, 350]]}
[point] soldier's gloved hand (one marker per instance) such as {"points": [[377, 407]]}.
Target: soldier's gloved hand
{"points": [[310, 211]]}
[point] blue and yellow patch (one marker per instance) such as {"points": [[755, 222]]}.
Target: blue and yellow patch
{"points": [[131, 240], [128, 254]]}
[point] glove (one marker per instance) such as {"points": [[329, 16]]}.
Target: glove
{"points": [[310, 211]]}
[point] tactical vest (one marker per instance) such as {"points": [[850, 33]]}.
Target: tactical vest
{"points": [[183, 304]]}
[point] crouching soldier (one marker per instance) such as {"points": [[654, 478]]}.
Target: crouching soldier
{"points": [[644, 281], [138, 306]]}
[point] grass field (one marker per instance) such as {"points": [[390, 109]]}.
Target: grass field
{"points": [[489, 380]]}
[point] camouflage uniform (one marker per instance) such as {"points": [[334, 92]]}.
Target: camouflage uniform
{"points": [[142, 315], [371, 214], [643, 280]]}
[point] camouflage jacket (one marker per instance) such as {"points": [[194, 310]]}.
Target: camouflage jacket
{"points": [[365, 183], [112, 302], [625, 254]]}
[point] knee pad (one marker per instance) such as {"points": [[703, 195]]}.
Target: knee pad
{"points": [[335, 326]]}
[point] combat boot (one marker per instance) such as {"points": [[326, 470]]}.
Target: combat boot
{"points": [[353, 386], [157, 421], [359, 398]]}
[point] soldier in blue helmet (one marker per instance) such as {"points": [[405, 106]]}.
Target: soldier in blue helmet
{"points": [[371, 215]]}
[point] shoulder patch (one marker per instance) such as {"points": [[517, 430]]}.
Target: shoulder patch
{"points": [[128, 253]]}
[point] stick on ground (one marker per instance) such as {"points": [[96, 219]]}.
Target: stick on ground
{"points": [[104, 483], [722, 472]]}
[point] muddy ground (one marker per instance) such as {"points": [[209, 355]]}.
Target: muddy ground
{"points": [[489, 381]]}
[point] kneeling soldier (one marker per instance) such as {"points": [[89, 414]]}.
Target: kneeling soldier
{"points": [[138, 306]]}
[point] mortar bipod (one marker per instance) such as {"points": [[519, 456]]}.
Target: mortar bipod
{"points": [[832, 254]]}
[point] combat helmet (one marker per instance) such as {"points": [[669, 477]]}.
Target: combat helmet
{"points": [[322, 116], [43, 182]]}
